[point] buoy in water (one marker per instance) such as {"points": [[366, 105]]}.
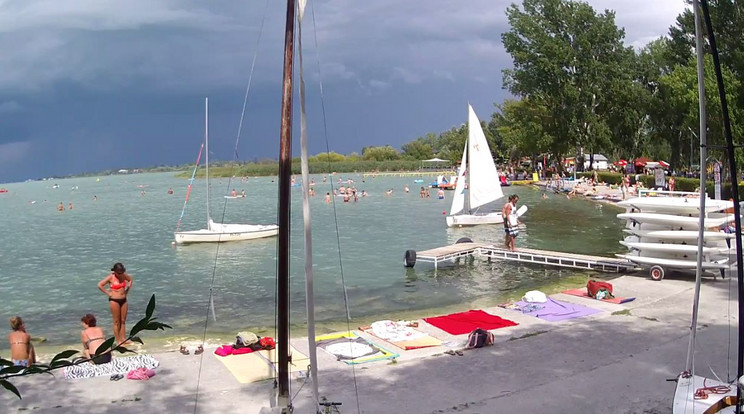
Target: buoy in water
{"points": [[444, 213]]}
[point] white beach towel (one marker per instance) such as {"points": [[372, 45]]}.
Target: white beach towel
{"points": [[395, 331], [120, 365]]}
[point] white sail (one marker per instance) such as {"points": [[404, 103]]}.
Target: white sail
{"points": [[484, 185], [458, 201]]}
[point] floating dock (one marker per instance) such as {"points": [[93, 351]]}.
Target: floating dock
{"points": [[524, 255]]}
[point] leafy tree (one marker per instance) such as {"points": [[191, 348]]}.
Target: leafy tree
{"points": [[567, 60], [62, 359], [327, 157], [681, 88], [386, 153], [418, 150]]}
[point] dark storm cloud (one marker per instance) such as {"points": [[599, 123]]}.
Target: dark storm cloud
{"points": [[87, 85]]}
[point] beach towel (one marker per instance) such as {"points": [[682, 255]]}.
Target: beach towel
{"points": [[400, 335], [582, 293], [466, 322], [554, 310], [352, 349], [260, 365], [120, 365]]}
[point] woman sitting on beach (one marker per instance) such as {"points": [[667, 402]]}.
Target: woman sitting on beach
{"points": [[119, 285], [21, 351], [92, 337]]}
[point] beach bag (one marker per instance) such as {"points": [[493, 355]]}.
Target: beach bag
{"points": [[535, 296], [599, 290], [267, 343], [479, 338]]}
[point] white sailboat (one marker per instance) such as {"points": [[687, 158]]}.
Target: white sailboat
{"points": [[483, 180], [221, 232]]}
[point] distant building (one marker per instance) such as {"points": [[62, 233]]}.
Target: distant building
{"points": [[600, 162]]}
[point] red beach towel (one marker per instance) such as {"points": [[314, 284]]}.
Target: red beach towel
{"points": [[465, 322]]}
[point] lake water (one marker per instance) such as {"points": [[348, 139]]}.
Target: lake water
{"points": [[51, 262]]}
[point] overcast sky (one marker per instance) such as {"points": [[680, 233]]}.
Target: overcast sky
{"points": [[88, 85]]}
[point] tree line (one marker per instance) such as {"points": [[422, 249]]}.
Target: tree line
{"points": [[578, 89]]}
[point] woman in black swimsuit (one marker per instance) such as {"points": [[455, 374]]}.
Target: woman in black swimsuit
{"points": [[119, 283]]}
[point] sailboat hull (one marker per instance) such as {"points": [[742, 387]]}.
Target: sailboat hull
{"points": [[461, 220], [227, 233], [685, 402]]}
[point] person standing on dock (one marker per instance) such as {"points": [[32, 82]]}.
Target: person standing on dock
{"points": [[511, 221]]}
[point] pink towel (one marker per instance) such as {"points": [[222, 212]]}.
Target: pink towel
{"points": [[143, 374], [224, 350]]}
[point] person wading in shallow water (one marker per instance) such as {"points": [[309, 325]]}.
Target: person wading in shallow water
{"points": [[511, 221], [119, 283]]}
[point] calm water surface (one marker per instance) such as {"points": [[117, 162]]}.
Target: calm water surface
{"points": [[50, 261]]}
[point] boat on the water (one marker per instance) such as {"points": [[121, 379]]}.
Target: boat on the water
{"points": [[221, 232], [484, 186]]}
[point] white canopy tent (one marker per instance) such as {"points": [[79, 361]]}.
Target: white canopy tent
{"points": [[433, 163]]}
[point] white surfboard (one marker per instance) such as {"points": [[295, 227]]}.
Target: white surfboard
{"points": [[681, 235], [676, 222], [674, 248], [675, 205], [674, 263]]}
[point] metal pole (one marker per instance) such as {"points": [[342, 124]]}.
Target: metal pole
{"points": [[690, 365]]}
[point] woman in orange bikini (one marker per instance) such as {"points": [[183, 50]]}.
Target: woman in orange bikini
{"points": [[119, 283], [92, 337]]}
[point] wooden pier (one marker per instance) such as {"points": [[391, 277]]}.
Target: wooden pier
{"points": [[524, 255]]}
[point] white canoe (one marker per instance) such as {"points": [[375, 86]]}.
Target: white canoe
{"points": [[673, 222], [681, 235], [687, 249], [674, 263], [675, 205]]}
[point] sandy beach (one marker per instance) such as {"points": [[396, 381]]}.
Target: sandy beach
{"points": [[615, 361]]}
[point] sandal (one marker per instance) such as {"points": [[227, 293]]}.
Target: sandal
{"points": [[199, 350], [449, 352], [459, 353], [116, 377], [184, 350]]}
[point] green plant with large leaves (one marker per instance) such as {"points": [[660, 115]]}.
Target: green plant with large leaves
{"points": [[65, 358]]}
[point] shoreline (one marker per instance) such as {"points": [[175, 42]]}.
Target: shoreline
{"points": [[170, 341], [617, 359]]}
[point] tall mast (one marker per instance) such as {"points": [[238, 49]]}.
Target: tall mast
{"points": [[285, 172], [690, 365], [206, 146]]}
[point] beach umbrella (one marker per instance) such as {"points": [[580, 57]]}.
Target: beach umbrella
{"points": [[663, 164], [621, 163]]}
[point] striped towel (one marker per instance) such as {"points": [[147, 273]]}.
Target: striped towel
{"points": [[117, 366]]}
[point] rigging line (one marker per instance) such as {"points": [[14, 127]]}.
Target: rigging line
{"points": [[335, 213], [250, 78], [210, 302], [734, 193], [242, 112], [191, 184]]}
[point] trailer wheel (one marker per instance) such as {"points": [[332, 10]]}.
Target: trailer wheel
{"points": [[463, 240], [410, 258], [656, 272]]}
